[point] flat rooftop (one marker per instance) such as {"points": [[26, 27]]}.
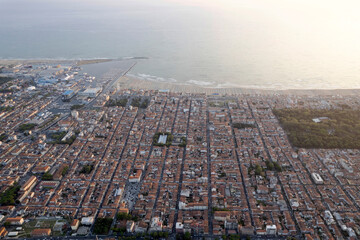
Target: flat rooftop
{"points": [[162, 139], [68, 92]]}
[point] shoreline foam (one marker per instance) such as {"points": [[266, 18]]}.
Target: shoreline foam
{"points": [[149, 82]]}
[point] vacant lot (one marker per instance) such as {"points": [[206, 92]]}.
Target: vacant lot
{"points": [[336, 128]]}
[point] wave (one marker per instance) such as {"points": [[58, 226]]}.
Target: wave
{"points": [[200, 83], [296, 84], [152, 78]]}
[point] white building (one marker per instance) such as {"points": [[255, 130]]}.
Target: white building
{"points": [[12, 234], [90, 92], [75, 114], [317, 178], [271, 229], [345, 165], [118, 192], [179, 227], [156, 225], [329, 217], [162, 139], [87, 220]]}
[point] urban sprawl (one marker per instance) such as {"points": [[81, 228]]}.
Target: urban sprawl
{"points": [[84, 158]]}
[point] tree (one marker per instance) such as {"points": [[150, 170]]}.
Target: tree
{"points": [[187, 236], [26, 127], [3, 137], [64, 170], [76, 106], [258, 169], [269, 165], [102, 225], [9, 196], [277, 167], [169, 139], [338, 128], [87, 169], [47, 176], [117, 102]]}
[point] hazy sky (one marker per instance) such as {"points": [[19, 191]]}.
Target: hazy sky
{"points": [[323, 23]]}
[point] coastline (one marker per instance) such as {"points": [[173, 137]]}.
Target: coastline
{"points": [[136, 83], [133, 82], [79, 62]]}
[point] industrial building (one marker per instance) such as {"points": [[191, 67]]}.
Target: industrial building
{"points": [[90, 92], [67, 95]]}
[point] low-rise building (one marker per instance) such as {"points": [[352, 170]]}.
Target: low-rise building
{"points": [[3, 232], [87, 220], [317, 178], [41, 232], [15, 220], [75, 224]]}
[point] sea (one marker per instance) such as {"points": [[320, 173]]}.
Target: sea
{"points": [[264, 44]]}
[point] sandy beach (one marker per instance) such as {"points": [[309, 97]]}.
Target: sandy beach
{"points": [[136, 83], [132, 82]]}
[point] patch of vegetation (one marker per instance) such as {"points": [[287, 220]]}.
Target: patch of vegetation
{"points": [[241, 222], [102, 225], [261, 202], [145, 103], [58, 136], [231, 237], [277, 167], [217, 104], [26, 126], [243, 125], [76, 106], [140, 103], [183, 142], [47, 177], [126, 216], [3, 137], [34, 224], [9, 196], [257, 169], [341, 129], [6, 109], [6, 90], [5, 80], [169, 139], [220, 209], [64, 171], [119, 230], [136, 102], [87, 169], [269, 165], [273, 166], [158, 235], [117, 102], [187, 236]]}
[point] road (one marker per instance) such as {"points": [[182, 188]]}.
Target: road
{"points": [[181, 174]]}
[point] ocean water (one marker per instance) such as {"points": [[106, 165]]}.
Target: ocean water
{"points": [[259, 44]]}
